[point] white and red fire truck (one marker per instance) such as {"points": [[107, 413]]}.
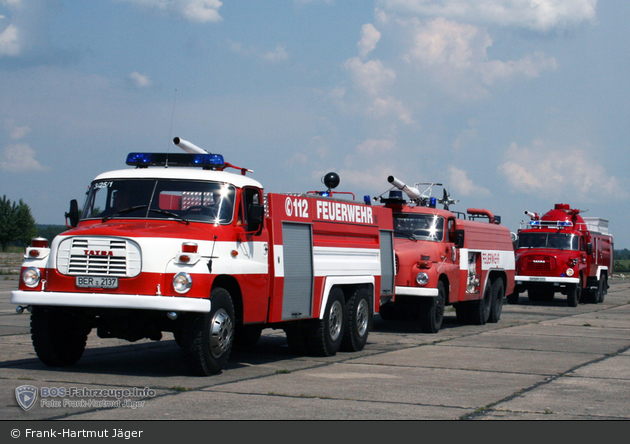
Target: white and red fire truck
{"points": [[179, 245], [563, 252], [443, 258]]}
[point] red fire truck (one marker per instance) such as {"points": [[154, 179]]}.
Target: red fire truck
{"points": [[444, 258], [563, 252], [179, 245]]}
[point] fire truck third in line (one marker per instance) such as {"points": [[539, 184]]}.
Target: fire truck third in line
{"points": [[179, 245], [444, 259], [563, 252]]}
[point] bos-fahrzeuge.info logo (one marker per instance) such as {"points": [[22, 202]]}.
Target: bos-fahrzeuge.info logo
{"points": [[73, 397], [26, 396]]}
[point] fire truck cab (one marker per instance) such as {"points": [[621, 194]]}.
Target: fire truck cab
{"points": [[177, 244], [443, 258], [563, 252]]}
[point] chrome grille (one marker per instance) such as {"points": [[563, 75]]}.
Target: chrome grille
{"points": [[539, 263], [99, 256]]}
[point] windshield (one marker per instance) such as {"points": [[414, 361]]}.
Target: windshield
{"points": [[211, 202], [419, 226], [557, 241]]}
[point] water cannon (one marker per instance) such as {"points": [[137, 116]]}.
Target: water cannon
{"points": [[188, 146], [532, 216], [413, 193]]}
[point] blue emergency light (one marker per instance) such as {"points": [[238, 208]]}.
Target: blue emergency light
{"points": [[144, 160]]}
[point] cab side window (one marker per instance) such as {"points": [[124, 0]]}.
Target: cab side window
{"points": [[250, 197]]}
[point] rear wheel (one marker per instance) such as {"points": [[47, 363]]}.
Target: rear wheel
{"points": [[58, 336], [358, 321], [327, 333], [498, 293], [603, 288], [480, 309], [432, 311], [512, 299], [207, 338]]}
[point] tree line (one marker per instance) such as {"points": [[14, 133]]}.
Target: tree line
{"points": [[17, 225]]}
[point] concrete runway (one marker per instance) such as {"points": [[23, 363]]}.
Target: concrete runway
{"points": [[539, 362]]}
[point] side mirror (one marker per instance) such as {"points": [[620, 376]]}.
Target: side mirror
{"points": [[255, 217], [73, 214], [589, 248], [459, 238]]}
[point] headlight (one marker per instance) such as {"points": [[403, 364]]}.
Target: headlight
{"points": [[422, 279], [570, 271], [31, 277], [182, 282]]}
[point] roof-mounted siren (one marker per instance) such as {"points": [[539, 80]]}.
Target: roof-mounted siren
{"points": [[331, 181], [188, 146]]}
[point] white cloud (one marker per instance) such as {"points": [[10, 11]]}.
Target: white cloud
{"points": [[200, 11], [277, 55], [369, 38], [460, 183], [371, 76], [19, 157], [558, 173], [456, 49], [140, 80], [536, 15], [9, 44], [16, 132]]}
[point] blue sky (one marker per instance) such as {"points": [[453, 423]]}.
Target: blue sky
{"points": [[513, 105]]}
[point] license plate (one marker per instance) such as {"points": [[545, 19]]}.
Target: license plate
{"points": [[537, 279], [96, 282]]}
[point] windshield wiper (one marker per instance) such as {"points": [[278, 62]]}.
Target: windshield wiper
{"points": [[407, 235], [123, 211], [169, 213]]}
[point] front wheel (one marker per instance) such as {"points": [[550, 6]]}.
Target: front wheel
{"points": [[575, 294], [358, 321], [432, 311], [59, 336], [207, 338], [327, 333]]}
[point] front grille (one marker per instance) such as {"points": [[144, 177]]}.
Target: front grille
{"points": [[99, 256], [539, 263]]}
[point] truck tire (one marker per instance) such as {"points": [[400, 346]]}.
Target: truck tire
{"points": [[58, 336], [603, 288], [358, 321], [432, 311], [207, 338], [326, 334], [575, 294], [512, 299], [498, 293], [479, 310]]}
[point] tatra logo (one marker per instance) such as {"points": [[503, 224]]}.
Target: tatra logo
{"points": [[98, 253]]}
